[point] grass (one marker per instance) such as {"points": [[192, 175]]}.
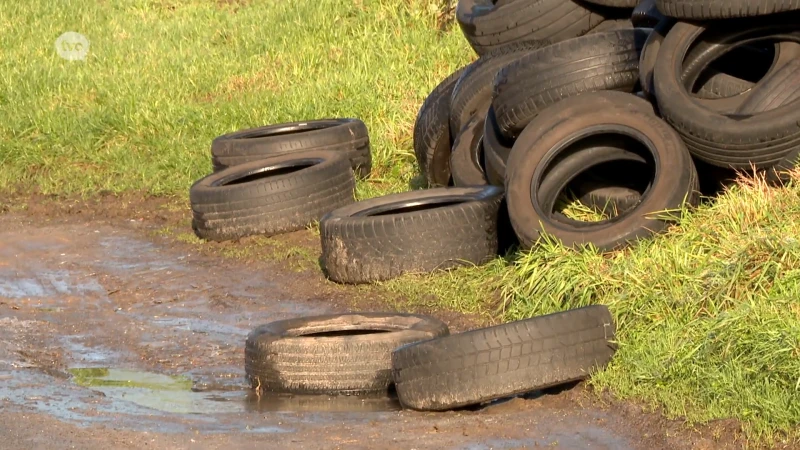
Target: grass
{"points": [[708, 314]]}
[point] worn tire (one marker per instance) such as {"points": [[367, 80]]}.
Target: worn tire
{"points": [[349, 136], [553, 135], [286, 357], [488, 25], [496, 149], [722, 140], [724, 9], [472, 94], [382, 238], [304, 187], [466, 159], [432, 138], [603, 61], [504, 360]]}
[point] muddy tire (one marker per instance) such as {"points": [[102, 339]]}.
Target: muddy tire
{"points": [[560, 133], [603, 61], [349, 136], [472, 94], [724, 9], [270, 196], [760, 140], [432, 137], [382, 238], [488, 25], [466, 159], [332, 354], [504, 360]]}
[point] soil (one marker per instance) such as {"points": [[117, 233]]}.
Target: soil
{"points": [[115, 336]]}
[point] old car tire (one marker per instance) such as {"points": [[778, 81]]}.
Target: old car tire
{"points": [[382, 238], [724, 9], [332, 354], [504, 360], [554, 135], [349, 136], [270, 196], [466, 159], [432, 137]]}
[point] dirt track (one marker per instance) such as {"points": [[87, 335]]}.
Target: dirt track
{"points": [[103, 293]]}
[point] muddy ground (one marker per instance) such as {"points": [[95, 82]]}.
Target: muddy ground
{"points": [[113, 336]]}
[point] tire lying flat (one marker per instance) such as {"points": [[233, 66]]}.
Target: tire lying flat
{"points": [[505, 360], [432, 137], [419, 231], [270, 196], [565, 126], [332, 354], [349, 136]]}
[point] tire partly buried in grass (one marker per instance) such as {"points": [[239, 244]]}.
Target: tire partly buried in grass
{"points": [[347, 354], [505, 360], [349, 136], [410, 232], [560, 133], [270, 196]]}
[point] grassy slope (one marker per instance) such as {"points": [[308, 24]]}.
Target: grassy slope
{"points": [[708, 316]]}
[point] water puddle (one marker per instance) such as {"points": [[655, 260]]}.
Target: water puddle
{"points": [[43, 284]]}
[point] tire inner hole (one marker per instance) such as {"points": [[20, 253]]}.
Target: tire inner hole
{"points": [[390, 209], [262, 173], [295, 129], [759, 57], [337, 333]]}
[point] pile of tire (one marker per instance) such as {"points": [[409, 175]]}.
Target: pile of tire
{"points": [[366, 354], [627, 107]]}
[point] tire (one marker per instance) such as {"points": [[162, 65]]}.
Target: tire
{"points": [[734, 142], [504, 360], [779, 89], [496, 149], [432, 139], [603, 61], [297, 189], [487, 26], [556, 135], [472, 94], [466, 159], [646, 15], [615, 3], [724, 9], [289, 356], [349, 136], [382, 238], [612, 25]]}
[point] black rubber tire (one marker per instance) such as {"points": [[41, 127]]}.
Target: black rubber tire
{"points": [[603, 61], [612, 25], [432, 138], [345, 135], [487, 25], [466, 159], [735, 142], [496, 149], [504, 360], [551, 136], [646, 14], [724, 9], [286, 357], [615, 3], [382, 238], [286, 201], [472, 94]]}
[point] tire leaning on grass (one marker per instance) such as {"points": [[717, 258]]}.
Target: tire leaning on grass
{"points": [[432, 137], [761, 140], [560, 133], [724, 9], [466, 159], [418, 231], [603, 61], [488, 25], [505, 360], [349, 136], [332, 354], [275, 195]]}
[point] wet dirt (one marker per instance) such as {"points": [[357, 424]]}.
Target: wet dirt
{"points": [[110, 338]]}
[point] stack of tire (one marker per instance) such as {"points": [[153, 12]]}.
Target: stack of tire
{"points": [[629, 117], [365, 354]]}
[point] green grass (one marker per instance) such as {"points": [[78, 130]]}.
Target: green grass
{"points": [[708, 314]]}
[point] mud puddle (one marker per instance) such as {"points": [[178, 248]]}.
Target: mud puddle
{"points": [[102, 328]]}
